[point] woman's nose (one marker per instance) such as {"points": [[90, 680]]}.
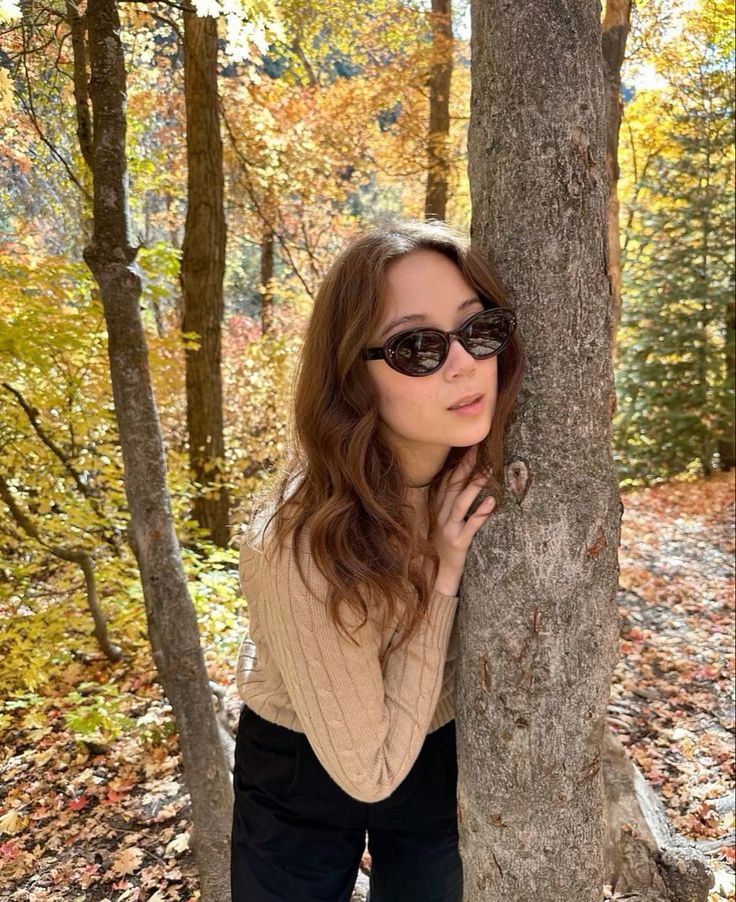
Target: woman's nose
{"points": [[458, 359]]}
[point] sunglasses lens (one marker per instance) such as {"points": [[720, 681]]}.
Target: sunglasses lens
{"points": [[419, 353], [488, 334]]}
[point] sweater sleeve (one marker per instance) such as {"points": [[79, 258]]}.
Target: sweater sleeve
{"points": [[365, 722]]}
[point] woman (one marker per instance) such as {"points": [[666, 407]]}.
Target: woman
{"points": [[409, 371]]}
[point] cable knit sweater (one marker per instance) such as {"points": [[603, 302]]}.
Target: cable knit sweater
{"points": [[366, 715]]}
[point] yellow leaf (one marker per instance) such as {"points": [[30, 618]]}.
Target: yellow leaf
{"points": [[13, 822], [180, 843], [6, 86], [127, 861]]}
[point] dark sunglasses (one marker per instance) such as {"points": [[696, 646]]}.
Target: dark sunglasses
{"points": [[420, 352]]}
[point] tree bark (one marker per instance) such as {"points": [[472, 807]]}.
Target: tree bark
{"points": [[267, 247], [727, 441], [616, 24], [538, 621], [202, 274], [438, 163], [172, 622], [77, 28], [645, 859]]}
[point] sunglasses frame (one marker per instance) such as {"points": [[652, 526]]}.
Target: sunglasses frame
{"points": [[387, 350]]}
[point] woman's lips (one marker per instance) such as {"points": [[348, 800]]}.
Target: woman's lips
{"points": [[469, 409]]}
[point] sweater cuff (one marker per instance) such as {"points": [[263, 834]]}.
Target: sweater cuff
{"points": [[442, 612]]}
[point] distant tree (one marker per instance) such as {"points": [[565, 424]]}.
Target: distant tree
{"points": [[202, 274], [440, 81], [616, 24]]}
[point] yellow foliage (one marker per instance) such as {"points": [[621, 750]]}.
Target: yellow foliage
{"points": [[6, 93]]}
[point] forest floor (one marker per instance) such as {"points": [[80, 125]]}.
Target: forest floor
{"points": [[88, 821]]}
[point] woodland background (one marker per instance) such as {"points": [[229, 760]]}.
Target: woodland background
{"points": [[325, 112]]}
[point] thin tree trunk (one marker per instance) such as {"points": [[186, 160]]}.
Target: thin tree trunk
{"points": [[77, 26], [727, 440], [266, 276], [172, 622], [74, 555], [438, 164], [616, 25], [538, 621], [202, 274]]}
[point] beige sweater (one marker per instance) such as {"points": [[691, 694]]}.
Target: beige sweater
{"points": [[366, 716]]}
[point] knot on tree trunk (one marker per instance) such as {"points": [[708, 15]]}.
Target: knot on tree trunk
{"points": [[518, 479]]}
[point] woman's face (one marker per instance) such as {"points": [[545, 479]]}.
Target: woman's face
{"points": [[415, 410]]}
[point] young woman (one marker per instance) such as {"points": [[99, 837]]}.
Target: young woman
{"points": [[408, 374]]}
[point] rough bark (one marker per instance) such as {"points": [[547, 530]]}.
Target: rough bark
{"points": [[616, 24], [538, 619], [644, 857], [727, 443], [202, 274], [266, 276], [172, 623], [438, 163], [77, 28]]}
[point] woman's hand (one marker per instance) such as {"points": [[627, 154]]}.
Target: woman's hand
{"points": [[453, 534]]}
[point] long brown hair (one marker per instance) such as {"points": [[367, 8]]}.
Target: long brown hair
{"points": [[343, 482]]}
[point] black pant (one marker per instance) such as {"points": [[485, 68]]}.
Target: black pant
{"points": [[298, 837]]}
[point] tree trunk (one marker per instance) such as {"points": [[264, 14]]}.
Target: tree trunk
{"points": [[438, 168], [77, 28], [266, 276], [202, 274], [616, 24], [172, 623], [727, 441], [538, 622]]}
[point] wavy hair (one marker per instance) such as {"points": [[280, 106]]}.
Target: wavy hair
{"points": [[343, 483]]}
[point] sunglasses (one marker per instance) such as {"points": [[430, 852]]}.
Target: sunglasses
{"points": [[420, 352]]}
